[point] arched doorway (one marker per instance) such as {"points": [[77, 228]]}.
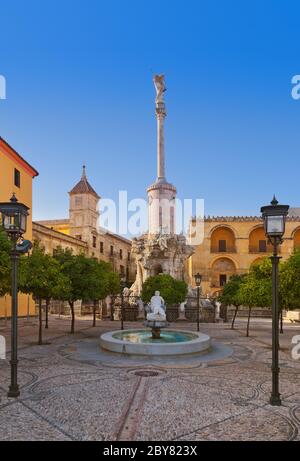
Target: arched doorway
{"points": [[221, 270]]}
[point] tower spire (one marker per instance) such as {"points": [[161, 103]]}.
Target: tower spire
{"points": [[83, 172]]}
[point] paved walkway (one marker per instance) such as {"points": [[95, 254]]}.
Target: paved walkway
{"points": [[70, 393]]}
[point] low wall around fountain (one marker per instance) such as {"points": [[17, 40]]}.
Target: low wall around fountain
{"points": [[201, 343]]}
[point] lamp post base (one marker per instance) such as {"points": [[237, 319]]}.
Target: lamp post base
{"points": [[13, 392], [275, 400]]}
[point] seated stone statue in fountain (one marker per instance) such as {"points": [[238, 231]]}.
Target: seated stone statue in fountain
{"points": [[157, 308]]}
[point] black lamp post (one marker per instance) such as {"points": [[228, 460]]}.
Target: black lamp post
{"points": [[198, 278], [122, 285], [14, 221], [274, 217]]}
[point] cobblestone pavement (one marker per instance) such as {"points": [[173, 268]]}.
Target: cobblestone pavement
{"points": [[69, 393]]}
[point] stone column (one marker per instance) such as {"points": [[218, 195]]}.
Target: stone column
{"points": [[160, 115]]}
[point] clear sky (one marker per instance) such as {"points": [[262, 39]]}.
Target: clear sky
{"points": [[79, 90]]}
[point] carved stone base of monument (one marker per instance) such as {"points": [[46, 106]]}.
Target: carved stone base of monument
{"points": [[159, 253]]}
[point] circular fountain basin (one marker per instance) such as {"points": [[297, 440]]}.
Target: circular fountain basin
{"points": [[140, 342]]}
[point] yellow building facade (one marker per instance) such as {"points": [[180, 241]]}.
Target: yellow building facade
{"points": [[231, 245], [16, 176]]}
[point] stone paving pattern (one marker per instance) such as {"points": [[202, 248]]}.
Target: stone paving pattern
{"points": [[70, 390]]}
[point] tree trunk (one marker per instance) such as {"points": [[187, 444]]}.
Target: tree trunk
{"points": [[47, 312], [234, 317], [40, 341], [94, 313], [248, 323], [71, 303], [112, 308]]}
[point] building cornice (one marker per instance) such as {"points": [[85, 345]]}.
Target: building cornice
{"points": [[13, 154]]}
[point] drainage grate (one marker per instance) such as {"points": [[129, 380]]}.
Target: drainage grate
{"points": [[146, 373]]}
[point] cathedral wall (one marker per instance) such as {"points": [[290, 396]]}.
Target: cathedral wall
{"points": [[217, 262]]}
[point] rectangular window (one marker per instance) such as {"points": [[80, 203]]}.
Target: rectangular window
{"points": [[128, 256], [121, 254], [78, 202], [111, 250], [222, 246], [262, 246], [17, 178], [94, 241], [122, 271], [223, 279], [101, 247]]}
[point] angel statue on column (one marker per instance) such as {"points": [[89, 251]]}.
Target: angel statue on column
{"points": [[159, 83]]}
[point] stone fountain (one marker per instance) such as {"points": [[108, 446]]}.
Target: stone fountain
{"points": [[155, 342]]}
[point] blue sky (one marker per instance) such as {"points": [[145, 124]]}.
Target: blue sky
{"points": [[79, 90]]}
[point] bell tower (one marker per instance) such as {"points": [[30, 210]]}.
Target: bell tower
{"points": [[83, 211]]}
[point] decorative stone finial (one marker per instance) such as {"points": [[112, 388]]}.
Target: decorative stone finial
{"points": [[13, 198], [83, 172], [274, 201]]}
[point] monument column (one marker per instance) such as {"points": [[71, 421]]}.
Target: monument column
{"points": [[160, 115]]}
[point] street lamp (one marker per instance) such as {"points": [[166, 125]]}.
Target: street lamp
{"points": [[122, 285], [14, 221], [274, 217], [198, 278]]}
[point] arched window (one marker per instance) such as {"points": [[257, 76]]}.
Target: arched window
{"points": [[258, 242], [222, 240]]}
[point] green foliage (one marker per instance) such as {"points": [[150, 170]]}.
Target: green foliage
{"points": [[256, 288], [290, 282], [5, 265], [78, 270], [40, 275], [102, 281], [173, 291], [230, 293]]}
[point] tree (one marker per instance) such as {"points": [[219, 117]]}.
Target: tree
{"points": [[40, 275], [290, 282], [102, 282], [230, 294], [256, 288], [78, 270], [173, 291], [5, 264]]}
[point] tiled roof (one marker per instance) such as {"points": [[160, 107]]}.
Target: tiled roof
{"points": [[83, 186]]}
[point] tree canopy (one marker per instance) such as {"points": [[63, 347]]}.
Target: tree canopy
{"points": [[173, 291]]}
